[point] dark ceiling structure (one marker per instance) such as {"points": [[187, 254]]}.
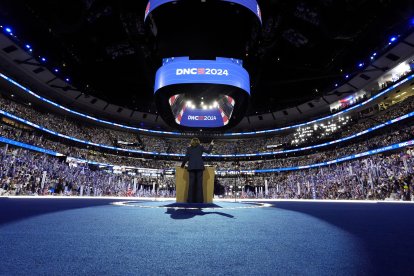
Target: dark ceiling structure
{"points": [[304, 47]]}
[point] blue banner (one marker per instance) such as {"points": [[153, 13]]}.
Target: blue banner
{"points": [[182, 70], [201, 118], [250, 4], [5, 140]]}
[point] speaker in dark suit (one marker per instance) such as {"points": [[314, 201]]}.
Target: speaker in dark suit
{"points": [[194, 157]]}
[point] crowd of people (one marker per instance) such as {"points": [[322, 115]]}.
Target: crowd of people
{"points": [[322, 155], [382, 176], [134, 140], [384, 138], [26, 173]]}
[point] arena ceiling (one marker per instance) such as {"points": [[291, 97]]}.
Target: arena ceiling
{"points": [[304, 47]]}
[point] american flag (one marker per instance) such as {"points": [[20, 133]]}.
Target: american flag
{"points": [[147, 8], [201, 71]]}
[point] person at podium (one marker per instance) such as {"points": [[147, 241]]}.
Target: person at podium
{"points": [[194, 157]]}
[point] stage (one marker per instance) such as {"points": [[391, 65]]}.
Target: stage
{"points": [[133, 236]]}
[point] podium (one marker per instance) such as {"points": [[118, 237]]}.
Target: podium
{"points": [[181, 184]]}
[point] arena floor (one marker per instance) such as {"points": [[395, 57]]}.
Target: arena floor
{"points": [[60, 236]]}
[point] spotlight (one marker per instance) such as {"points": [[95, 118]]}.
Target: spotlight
{"points": [[56, 70], [67, 79], [7, 29], [43, 59], [360, 64], [393, 38], [27, 46]]}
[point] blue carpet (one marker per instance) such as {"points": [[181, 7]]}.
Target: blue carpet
{"points": [[92, 237]]}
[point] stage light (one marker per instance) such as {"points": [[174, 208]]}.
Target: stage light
{"points": [[56, 70], [27, 46], [67, 79], [215, 104], [393, 38], [346, 76], [336, 85], [9, 30], [360, 64], [43, 59]]}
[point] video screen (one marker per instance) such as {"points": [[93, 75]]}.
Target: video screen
{"points": [[206, 113]]}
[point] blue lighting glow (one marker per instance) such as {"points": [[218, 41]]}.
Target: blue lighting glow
{"points": [[360, 64], [28, 46], [7, 29], [393, 38], [56, 70], [43, 59], [67, 79], [346, 76], [29, 147]]}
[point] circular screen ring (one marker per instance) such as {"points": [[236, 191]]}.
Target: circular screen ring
{"points": [[252, 5]]}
